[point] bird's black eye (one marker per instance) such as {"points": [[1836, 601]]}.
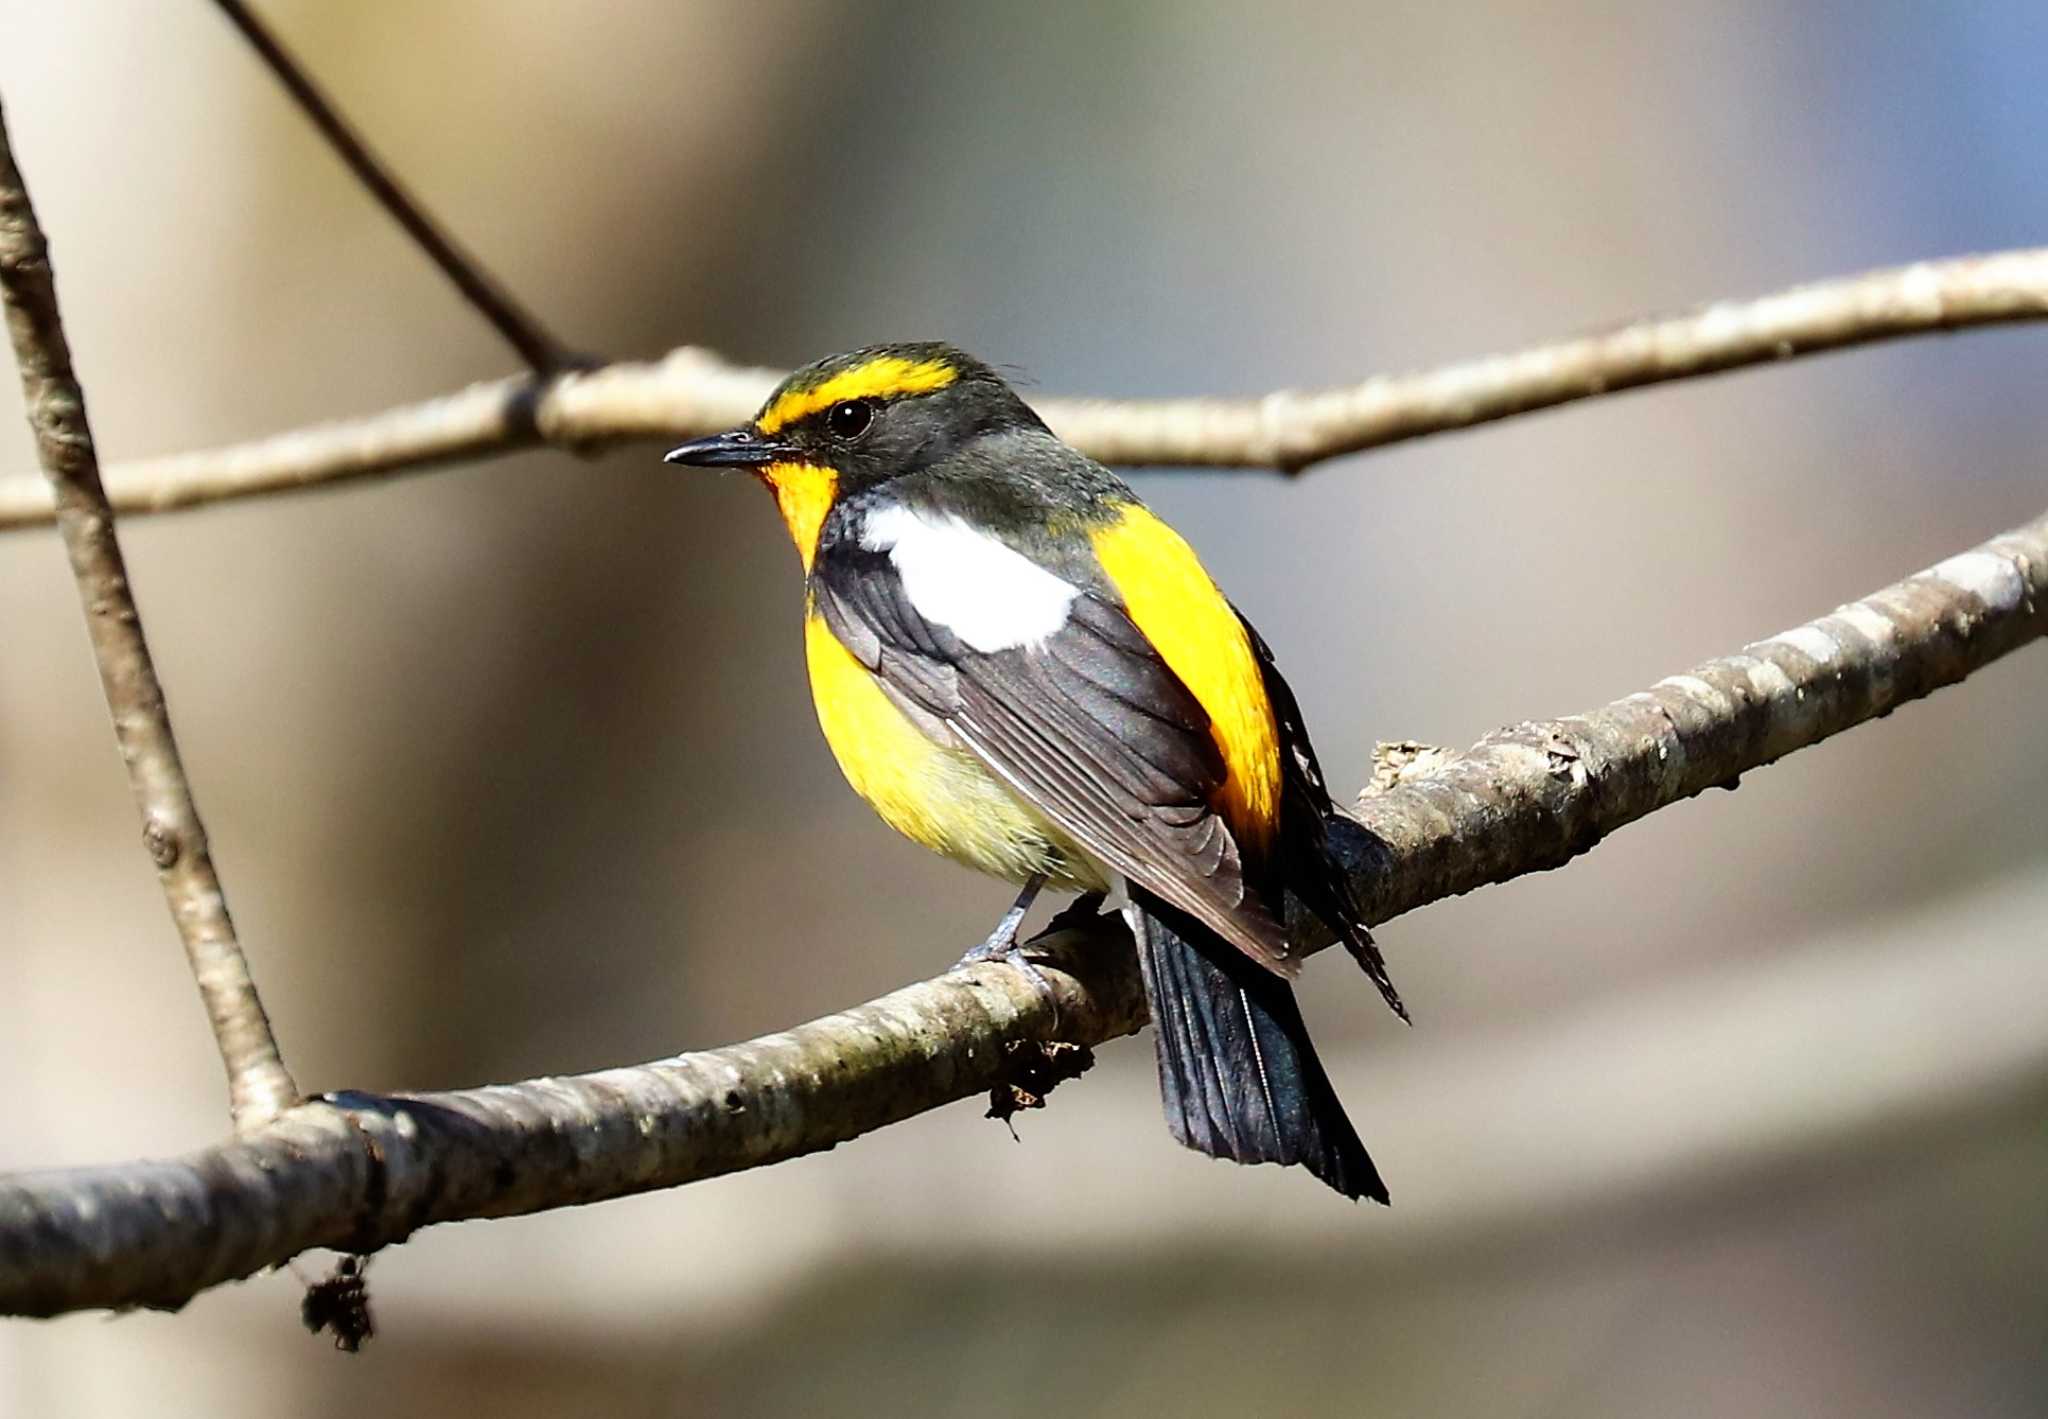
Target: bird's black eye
{"points": [[850, 418]]}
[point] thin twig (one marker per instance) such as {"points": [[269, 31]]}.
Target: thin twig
{"points": [[541, 351], [258, 1086], [693, 391], [1291, 430], [358, 1173]]}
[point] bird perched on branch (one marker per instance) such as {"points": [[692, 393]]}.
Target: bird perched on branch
{"points": [[1022, 668]]}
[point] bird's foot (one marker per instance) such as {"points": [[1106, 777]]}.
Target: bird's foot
{"points": [[1001, 945], [1008, 952]]}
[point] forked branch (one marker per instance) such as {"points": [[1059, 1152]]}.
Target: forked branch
{"points": [[541, 351], [259, 1088], [358, 1173], [693, 391]]}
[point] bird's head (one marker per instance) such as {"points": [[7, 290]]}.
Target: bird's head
{"points": [[857, 420]]}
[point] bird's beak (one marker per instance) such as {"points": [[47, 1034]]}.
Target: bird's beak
{"points": [[741, 448]]}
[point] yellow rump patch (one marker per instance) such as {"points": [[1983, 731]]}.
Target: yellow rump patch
{"points": [[883, 377], [803, 495], [1188, 621]]}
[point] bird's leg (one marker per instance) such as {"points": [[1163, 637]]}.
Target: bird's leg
{"points": [[1001, 944]]}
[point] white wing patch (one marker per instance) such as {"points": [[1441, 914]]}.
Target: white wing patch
{"points": [[992, 597]]}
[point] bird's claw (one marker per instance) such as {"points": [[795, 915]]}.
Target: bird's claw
{"points": [[1002, 947]]}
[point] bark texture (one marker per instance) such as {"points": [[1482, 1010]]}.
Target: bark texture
{"points": [[359, 1172]]}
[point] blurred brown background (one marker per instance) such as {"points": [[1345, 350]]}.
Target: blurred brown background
{"points": [[510, 770]]}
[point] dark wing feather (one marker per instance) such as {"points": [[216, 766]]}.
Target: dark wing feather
{"points": [[1308, 818], [1090, 725]]}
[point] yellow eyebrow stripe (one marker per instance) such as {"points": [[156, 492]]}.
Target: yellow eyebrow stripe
{"points": [[883, 377]]}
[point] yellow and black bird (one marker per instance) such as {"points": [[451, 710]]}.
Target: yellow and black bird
{"points": [[1023, 669]]}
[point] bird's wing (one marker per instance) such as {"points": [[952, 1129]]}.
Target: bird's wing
{"points": [[1316, 873], [1056, 689]]}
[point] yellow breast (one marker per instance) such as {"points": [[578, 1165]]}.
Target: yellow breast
{"points": [[936, 794]]}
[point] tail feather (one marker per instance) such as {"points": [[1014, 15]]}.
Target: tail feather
{"points": [[1237, 1074], [1330, 840]]}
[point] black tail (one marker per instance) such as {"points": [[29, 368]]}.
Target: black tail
{"points": [[1237, 1073]]}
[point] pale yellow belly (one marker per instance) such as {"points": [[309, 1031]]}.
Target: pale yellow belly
{"points": [[935, 794]]}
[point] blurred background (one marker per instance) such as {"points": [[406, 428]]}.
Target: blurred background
{"points": [[510, 770]]}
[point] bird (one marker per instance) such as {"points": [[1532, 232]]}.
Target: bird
{"points": [[1020, 666]]}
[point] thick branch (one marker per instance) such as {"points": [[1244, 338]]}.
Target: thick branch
{"points": [[360, 1173], [693, 392], [1534, 796], [259, 1087], [541, 351]]}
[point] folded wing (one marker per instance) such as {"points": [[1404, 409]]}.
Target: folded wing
{"points": [[1068, 703]]}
